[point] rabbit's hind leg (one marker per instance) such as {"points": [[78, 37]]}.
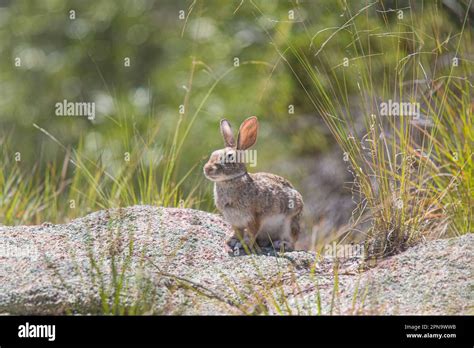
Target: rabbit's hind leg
{"points": [[296, 227], [291, 232], [284, 240]]}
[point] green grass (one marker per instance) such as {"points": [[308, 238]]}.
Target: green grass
{"points": [[146, 173], [415, 181], [81, 185]]}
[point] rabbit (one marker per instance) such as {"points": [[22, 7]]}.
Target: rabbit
{"points": [[263, 208]]}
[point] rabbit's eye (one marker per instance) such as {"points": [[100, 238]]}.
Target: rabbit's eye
{"points": [[230, 157]]}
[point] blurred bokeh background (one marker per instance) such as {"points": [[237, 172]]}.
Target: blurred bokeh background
{"points": [[213, 59]]}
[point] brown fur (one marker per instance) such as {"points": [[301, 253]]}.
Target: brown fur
{"points": [[261, 207]]}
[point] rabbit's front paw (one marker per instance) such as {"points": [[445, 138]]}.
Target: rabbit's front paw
{"points": [[234, 242], [235, 246], [282, 245]]}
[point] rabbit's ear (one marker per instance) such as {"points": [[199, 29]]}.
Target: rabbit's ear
{"points": [[226, 131], [247, 133]]}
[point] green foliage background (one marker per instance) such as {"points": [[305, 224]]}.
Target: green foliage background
{"points": [[185, 62]]}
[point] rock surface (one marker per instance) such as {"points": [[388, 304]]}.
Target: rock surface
{"points": [[149, 260]]}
